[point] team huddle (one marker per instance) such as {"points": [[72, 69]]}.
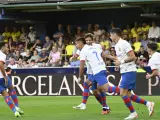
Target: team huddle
{"points": [[92, 55]]}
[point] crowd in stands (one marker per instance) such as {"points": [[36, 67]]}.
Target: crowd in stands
{"points": [[27, 50]]}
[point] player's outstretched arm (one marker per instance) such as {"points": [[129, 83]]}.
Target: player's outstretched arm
{"points": [[108, 56], [154, 73]]}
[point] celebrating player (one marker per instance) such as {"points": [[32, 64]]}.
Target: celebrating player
{"points": [[126, 61], [154, 61], [100, 96], [5, 82], [92, 55]]}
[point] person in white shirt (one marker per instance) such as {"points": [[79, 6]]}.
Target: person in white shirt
{"points": [[12, 63], [126, 61], [32, 35], [90, 80], [92, 55], [154, 61], [154, 31], [6, 83]]}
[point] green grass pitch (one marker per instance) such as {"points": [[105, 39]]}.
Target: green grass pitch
{"points": [[60, 108]]}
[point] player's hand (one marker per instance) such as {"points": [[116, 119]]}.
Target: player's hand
{"points": [[79, 80], [148, 76], [6, 81], [117, 62]]}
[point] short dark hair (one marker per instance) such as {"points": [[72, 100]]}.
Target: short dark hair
{"points": [[88, 35], [8, 69], [81, 39], [33, 60], [152, 46], [116, 31]]}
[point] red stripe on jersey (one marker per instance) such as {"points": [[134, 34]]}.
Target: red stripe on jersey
{"points": [[154, 70], [130, 51], [82, 61]]}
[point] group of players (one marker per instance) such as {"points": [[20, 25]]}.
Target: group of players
{"points": [[93, 56]]}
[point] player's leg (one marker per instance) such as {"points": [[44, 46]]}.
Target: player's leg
{"points": [[96, 92], [9, 101], [137, 99], [128, 83], [13, 94], [85, 95], [100, 78], [101, 98]]}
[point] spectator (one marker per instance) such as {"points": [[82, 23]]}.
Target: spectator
{"points": [[17, 55], [11, 45], [37, 46], [70, 49], [154, 31], [68, 35], [35, 56], [145, 41], [6, 34], [9, 54], [105, 42], [48, 43], [15, 34], [143, 54], [32, 35], [137, 44], [25, 64], [59, 33], [97, 33], [66, 64], [33, 64], [145, 28], [127, 32], [55, 57], [60, 45], [21, 48], [113, 52], [12, 64], [79, 33], [136, 31], [23, 36], [90, 28], [43, 57], [27, 56]]}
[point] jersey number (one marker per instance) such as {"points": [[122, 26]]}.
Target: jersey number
{"points": [[95, 53]]}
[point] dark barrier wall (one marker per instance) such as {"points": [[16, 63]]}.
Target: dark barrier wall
{"points": [[64, 81]]}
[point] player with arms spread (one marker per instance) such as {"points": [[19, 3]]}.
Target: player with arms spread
{"points": [[126, 61], [154, 61], [5, 83]]}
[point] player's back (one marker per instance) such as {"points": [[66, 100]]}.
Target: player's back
{"points": [[154, 62], [93, 57]]}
